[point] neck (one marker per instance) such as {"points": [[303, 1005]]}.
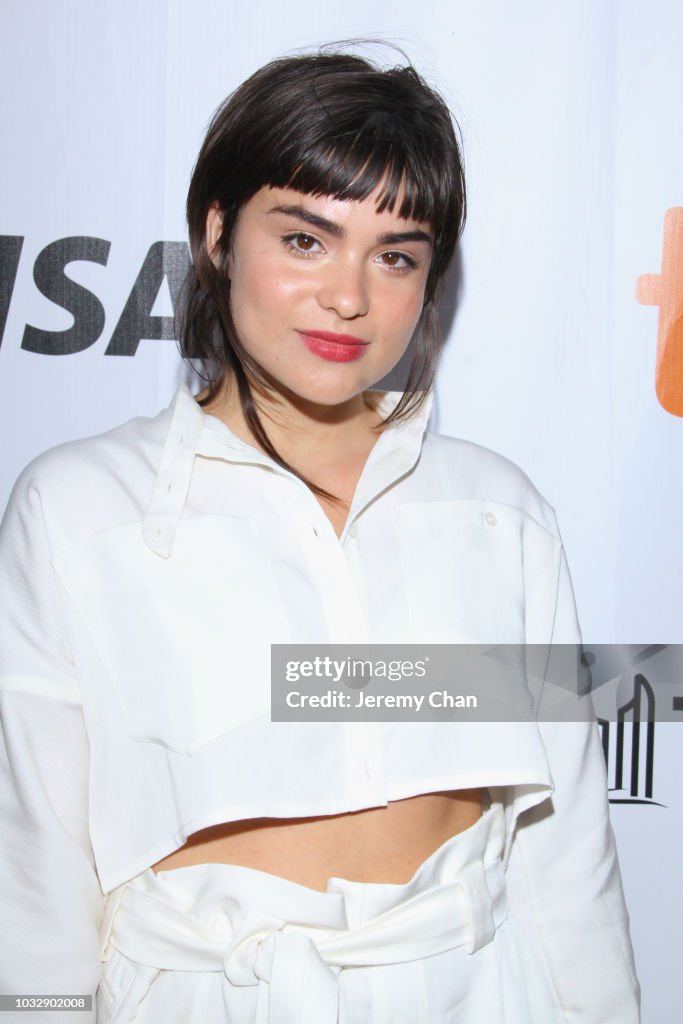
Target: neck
{"points": [[298, 429]]}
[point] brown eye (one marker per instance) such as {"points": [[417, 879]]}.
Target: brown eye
{"points": [[302, 244], [398, 261]]}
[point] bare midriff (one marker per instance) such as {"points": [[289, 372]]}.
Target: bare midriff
{"points": [[380, 844]]}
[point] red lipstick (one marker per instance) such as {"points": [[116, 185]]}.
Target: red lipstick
{"points": [[339, 348]]}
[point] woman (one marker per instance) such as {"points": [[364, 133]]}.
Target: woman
{"points": [[169, 845]]}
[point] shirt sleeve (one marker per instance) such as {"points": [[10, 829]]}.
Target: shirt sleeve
{"points": [[564, 883], [49, 891]]}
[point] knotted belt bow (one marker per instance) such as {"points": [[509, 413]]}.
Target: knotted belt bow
{"points": [[296, 966]]}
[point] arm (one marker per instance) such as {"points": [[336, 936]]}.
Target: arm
{"points": [[49, 892], [563, 878]]}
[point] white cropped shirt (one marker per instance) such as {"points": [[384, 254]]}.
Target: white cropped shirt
{"points": [[145, 573]]}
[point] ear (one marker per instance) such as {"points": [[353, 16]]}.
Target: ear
{"points": [[214, 227]]}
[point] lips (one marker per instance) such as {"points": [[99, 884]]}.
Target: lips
{"points": [[338, 348]]}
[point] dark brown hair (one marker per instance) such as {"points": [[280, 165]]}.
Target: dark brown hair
{"points": [[327, 124]]}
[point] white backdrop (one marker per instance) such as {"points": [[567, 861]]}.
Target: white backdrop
{"points": [[571, 120]]}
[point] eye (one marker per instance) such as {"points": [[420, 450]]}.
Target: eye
{"points": [[397, 261], [302, 243]]}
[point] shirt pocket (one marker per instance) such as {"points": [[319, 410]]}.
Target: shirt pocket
{"points": [[463, 563], [185, 640]]}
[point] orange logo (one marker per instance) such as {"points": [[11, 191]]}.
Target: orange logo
{"points": [[666, 291]]}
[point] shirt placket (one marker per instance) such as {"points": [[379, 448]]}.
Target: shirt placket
{"points": [[347, 623], [331, 561]]}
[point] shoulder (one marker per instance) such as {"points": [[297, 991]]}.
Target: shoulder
{"points": [[470, 472], [83, 486], [101, 455]]}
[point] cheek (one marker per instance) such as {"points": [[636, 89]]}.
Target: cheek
{"points": [[262, 288], [404, 313], [265, 301]]}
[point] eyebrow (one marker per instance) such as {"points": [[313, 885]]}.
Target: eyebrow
{"points": [[337, 231]]}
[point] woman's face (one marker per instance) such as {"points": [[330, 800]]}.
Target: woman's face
{"points": [[325, 293]]}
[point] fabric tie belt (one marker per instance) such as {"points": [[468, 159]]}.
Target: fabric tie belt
{"points": [[296, 965]]}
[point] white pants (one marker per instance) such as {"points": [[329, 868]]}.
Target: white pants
{"points": [[217, 943]]}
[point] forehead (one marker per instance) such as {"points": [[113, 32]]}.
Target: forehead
{"points": [[346, 214]]}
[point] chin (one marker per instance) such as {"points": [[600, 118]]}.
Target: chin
{"points": [[325, 392]]}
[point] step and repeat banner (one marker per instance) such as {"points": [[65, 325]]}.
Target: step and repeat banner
{"points": [[563, 314]]}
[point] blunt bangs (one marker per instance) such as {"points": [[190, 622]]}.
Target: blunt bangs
{"points": [[377, 157], [334, 125]]}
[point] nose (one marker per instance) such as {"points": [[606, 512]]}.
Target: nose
{"points": [[344, 289]]}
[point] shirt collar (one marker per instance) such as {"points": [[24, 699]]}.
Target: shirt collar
{"points": [[193, 433]]}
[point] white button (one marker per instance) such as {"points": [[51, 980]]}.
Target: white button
{"points": [[366, 770], [490, 519], [352, 532]]}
